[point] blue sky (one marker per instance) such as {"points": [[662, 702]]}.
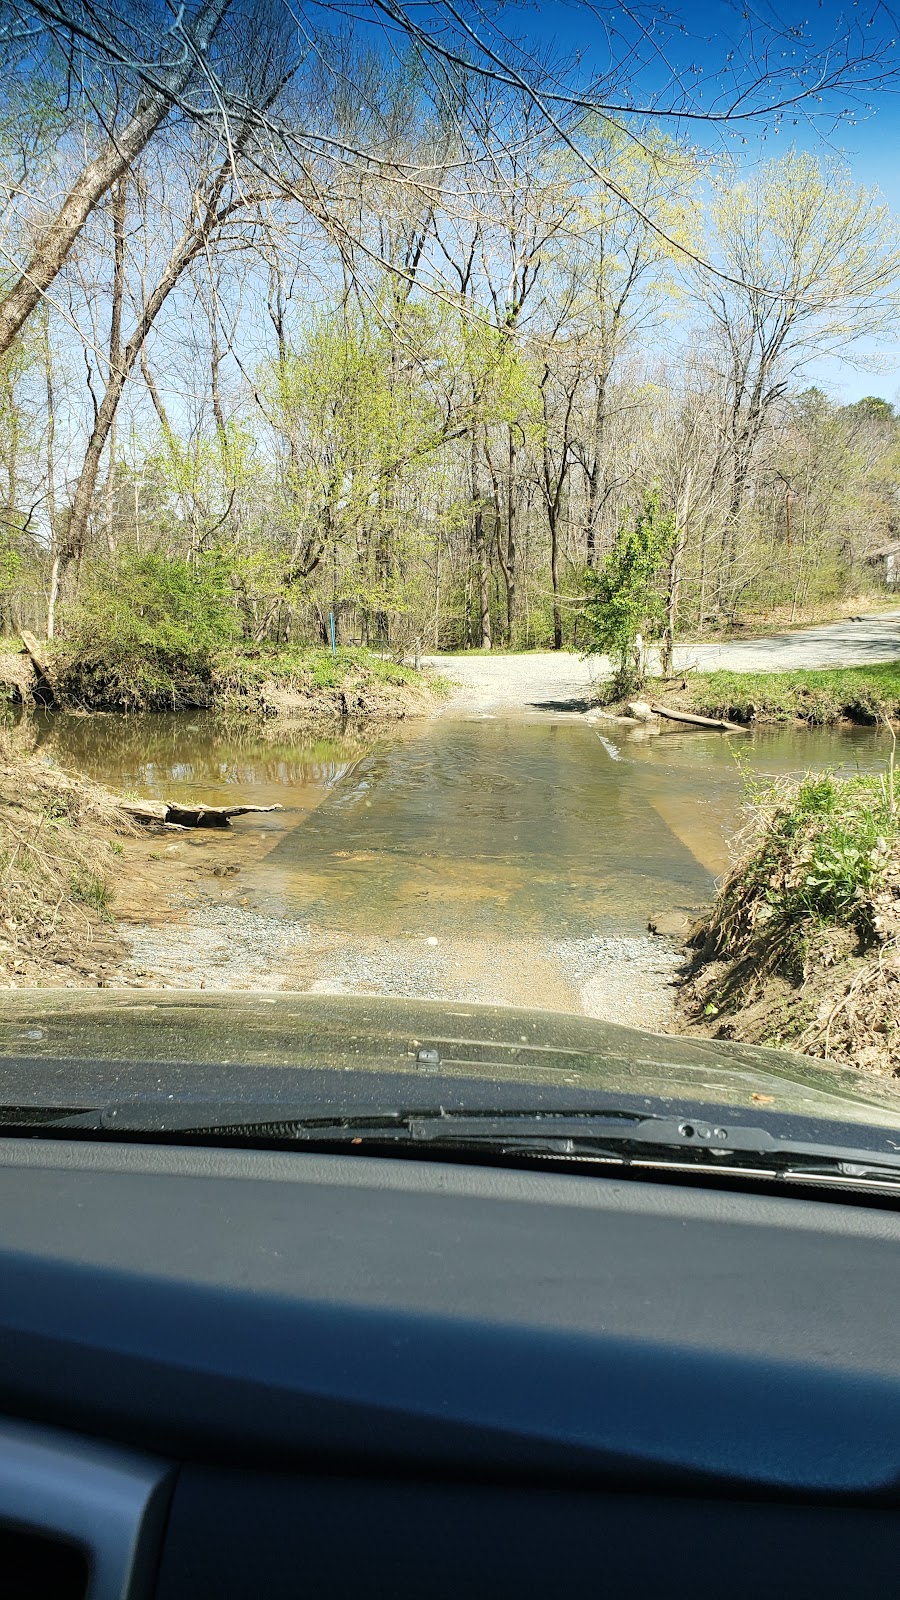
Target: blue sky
{"points": [[862, 127]]}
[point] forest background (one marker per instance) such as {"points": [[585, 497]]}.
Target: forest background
{"points": [[355, 320]]}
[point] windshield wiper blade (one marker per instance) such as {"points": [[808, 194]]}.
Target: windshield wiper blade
{"points": [[162, 1114], [611, 1133]]}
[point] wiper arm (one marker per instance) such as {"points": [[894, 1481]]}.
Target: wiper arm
{"points": [[613, 1134]]}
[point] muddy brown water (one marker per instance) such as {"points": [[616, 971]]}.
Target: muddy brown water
{"points": [[484, 829]]}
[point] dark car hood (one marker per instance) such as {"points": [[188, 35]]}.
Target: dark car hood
{"points": [[74, 1048]]}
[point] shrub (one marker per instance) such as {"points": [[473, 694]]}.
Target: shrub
{"points": [[146, 632], [625, 599]]}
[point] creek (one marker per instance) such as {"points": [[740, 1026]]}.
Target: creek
{"points": [[495, 858]]}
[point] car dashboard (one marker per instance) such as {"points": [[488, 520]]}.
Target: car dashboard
{"points": [[232, 1372]]}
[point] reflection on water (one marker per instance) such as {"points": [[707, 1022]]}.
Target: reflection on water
{"points": [[477, 828], [213, 759]]}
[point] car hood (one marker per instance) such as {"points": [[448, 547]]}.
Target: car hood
{"points": [[88, 1046]]}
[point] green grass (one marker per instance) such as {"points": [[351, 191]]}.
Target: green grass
{"points": [[861, 694], [306, 667], [91, 890]]}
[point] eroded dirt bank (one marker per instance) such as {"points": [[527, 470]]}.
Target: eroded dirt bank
{"points": [[801, 946]]}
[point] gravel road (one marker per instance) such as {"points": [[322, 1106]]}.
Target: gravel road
{"points": [[215, 947], [540, 682]]}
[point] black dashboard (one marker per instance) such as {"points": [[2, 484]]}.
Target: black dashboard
{"points": [[245, 1373], [354, 1376]]}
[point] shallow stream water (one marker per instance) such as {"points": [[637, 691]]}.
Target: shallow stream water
{"points": [[487, 829]]}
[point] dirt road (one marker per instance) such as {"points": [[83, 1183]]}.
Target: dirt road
{"points": [[539, 682]]}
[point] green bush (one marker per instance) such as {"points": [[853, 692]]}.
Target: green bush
{"points": [[146, 633], [625, 598]]}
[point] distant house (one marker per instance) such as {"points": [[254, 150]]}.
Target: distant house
{"points": [[887, 557]]}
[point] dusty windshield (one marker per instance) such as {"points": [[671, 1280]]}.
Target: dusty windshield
{"points": [[449, 578]]}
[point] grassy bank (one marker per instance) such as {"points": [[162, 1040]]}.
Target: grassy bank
{"points": [[60, 855], [293, 681], [855, 694], [802, 945], [300, 681], [788, 618]]}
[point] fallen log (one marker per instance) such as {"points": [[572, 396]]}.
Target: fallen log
{"points": [[187, 816], [696, 721], [144, 810], [40, 658], [211, 816]]}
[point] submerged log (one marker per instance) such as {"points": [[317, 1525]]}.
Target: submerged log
{"points": [[695, 721], [187, 816], [210, 816]]}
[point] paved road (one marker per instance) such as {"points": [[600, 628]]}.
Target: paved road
{"points": [[561, 682]]}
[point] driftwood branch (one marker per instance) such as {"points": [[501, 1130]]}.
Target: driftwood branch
{"points": [[695, 721], [161, 811], [40, 657]]}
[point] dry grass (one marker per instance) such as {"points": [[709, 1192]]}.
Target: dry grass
{"points": [[58, 856]]}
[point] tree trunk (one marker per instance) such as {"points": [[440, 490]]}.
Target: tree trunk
{"points": [[479, 548], [96, 179], [115, 339], [509, 566], [595, 476], [51, 474], [553, 518], [52, 597], [676, 573]]}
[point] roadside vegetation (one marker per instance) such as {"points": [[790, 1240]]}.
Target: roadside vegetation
{"points": [[155, 633], [855, 694], [802, 944], [60, 843]]}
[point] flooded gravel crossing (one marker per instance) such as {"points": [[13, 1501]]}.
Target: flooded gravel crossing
{"points": [[505, 860]]}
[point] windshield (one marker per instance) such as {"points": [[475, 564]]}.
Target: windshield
{"points": [[451, 647]]}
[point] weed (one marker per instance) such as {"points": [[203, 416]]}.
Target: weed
{"points": [[811, 910], [91, 891]]}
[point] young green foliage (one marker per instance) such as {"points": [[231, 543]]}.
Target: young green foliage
{"points": [[625, 599], [146, 624]]}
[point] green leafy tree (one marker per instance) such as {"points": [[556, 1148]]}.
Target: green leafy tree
{"points": [[625, 605]]}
